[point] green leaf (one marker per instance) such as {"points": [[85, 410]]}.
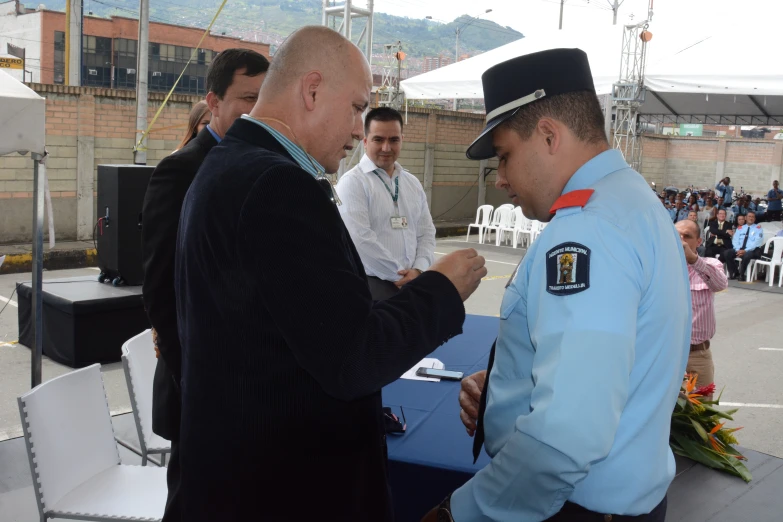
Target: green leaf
{"points": [[700, 430]]}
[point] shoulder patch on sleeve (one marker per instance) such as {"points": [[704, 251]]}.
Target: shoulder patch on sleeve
{"points": [[568, 269], [575, 198]]}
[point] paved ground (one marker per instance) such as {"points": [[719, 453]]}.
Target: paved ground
{"points": [[747, 321]]}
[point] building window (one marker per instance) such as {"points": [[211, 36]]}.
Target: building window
{"points": [[59, 57], [96, 61]]}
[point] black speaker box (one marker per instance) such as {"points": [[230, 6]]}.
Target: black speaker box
{"points": [[121, 190]]}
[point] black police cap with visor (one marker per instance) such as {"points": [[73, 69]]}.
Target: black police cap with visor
{"points": [[510, 85]]}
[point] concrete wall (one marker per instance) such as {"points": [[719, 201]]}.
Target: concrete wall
{"points": [[23, 31], [684, 161]]}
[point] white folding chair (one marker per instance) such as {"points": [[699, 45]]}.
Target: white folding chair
{"points": [[513, 222], [770, 265], [74, 460], [139, 361], [499, 218], [483, 217], [536, 230]]}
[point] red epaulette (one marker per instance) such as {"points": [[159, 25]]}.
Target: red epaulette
{"points": [[576, 198]]}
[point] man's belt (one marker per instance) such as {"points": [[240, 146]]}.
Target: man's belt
{"points": [[700, 347]]}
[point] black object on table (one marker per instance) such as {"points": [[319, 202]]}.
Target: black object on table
{"points": [[434, 457], [84, 321]]}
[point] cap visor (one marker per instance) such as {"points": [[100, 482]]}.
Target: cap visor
{"points": [[482, 147]]}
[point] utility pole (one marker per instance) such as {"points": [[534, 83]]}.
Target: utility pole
{"points": [[561, 13], [615, 5], [142, 87], [73, 42]]}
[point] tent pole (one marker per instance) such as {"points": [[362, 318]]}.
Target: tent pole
{"points": [[36, 350]]}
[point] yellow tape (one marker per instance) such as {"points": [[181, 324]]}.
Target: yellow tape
{"points": [[166, 100]]}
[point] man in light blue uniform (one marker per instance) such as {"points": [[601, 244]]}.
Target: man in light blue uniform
{"points": [[595, 323], [725, 190], [746, 244]]}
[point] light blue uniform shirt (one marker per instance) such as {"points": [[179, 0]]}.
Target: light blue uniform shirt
{"points": [[214, 134], [755, 240], [727, 192], [296, 152], [682, 213], [583, 386]]}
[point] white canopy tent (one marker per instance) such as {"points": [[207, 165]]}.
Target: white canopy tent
{"points": [[701, 75], [23, 130]]}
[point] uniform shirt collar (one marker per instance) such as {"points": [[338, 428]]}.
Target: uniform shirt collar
{"points": [[367, 165], [214, 134], [296, 152], [596, 169]]}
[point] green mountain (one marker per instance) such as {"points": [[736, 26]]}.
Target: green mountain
{"points": [[272, 20]]}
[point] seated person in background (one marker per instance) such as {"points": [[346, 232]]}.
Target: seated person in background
{"points": [[718, 238], [693, 203], [693, 216], [740, 221], [680, 212], [747, 244], [761, 213], [710, 208], [672, 200], [740, 208]]}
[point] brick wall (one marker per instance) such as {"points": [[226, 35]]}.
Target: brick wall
{"points": [[100, 121]]}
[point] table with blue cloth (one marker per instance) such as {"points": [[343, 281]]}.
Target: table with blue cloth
{"points": [[435, 456]]}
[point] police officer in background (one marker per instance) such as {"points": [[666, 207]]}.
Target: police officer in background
{"points": [[575, 405], [746, 243]]}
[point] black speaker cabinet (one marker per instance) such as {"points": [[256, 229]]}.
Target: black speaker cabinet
{"points": [[121, 190]]}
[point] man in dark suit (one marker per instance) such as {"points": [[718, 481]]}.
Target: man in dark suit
{"points": [[284, 351], [233, 82], [718, 238]]}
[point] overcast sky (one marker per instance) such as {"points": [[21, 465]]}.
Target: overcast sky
{"points": [[534, 15]]}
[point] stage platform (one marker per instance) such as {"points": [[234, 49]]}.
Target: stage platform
{"points": [[84, 321], [698, 494]]}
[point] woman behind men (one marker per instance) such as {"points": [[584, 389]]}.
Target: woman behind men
{"points": [[198, 119]]}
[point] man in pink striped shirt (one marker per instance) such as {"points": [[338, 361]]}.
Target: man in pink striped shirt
{"points": [[706, 277]]}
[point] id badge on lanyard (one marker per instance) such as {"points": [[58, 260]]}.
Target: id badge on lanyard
{"points": [[398, 222]]}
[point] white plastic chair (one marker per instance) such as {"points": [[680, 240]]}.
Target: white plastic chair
{"points": [[515, 221], [139, 361], [74, 460], [483, 217], [500, 218], [538, 227], [771, 265]]}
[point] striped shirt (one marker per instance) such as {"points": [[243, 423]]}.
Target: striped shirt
{"points": [[707, 277], [304, 160], [367, 210]]}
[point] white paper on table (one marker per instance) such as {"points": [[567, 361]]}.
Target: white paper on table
{"points": [[427, 362]]}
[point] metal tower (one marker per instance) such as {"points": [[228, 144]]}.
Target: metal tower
{"points": [[346, 13], [390, 93], [628, 93]]}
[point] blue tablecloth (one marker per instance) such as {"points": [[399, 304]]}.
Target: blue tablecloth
{"points": [[435, 456]]}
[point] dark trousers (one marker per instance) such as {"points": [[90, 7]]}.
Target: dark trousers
{"points": [[381, 289], [575, 513], [173, 512], [714, 250], [773, 215], [730, 255]]}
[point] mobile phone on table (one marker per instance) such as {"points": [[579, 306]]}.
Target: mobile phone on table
{"points": [[439, 374]]}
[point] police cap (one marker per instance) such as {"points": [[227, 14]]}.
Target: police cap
{"points": [[517, 82]]}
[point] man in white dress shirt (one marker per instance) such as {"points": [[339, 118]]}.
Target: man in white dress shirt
{"points": [[385, 209]]}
